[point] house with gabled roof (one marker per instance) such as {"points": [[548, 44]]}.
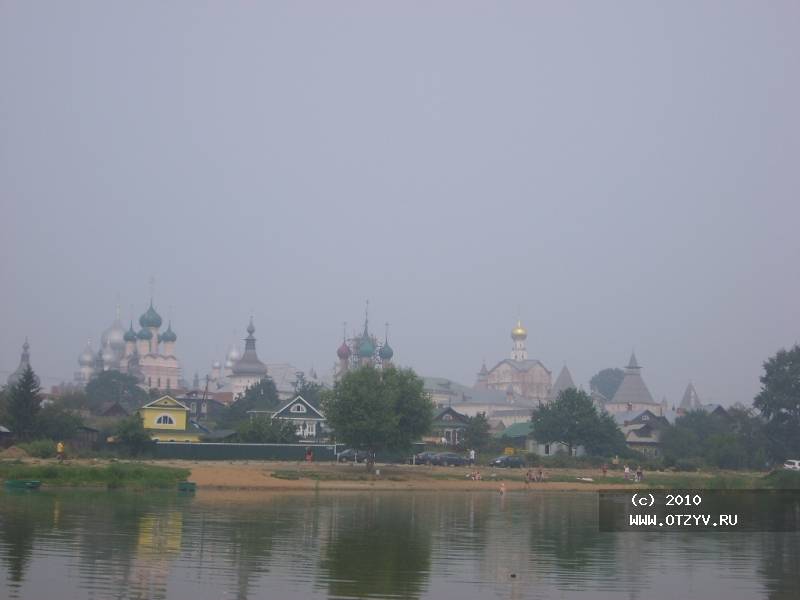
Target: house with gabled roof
{"points": [[448, 427], [309, 420], [167, 420]]}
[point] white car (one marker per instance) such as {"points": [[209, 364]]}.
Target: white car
{"points": [[792, 464]]}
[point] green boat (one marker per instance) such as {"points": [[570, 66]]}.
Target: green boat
{"points": [[23, 484], [187, 486]]}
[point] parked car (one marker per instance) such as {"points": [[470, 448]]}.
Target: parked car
{"points": [[506, 461], [449, 459], [424, 458], [351, 455], [793, 464]]}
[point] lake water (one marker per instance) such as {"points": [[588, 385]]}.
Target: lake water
{"points": [[462, 546]]}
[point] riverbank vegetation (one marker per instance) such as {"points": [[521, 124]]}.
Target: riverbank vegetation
{"points": [[111, 476]]}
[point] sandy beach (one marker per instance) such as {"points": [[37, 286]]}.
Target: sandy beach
{"points": [[298, 476]]}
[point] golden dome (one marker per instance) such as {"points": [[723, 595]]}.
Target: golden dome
{"points": [[519, 332]]}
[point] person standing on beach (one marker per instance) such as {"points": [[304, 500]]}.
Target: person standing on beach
{"points": [[472, 457], [60, 451], [627, 472]]}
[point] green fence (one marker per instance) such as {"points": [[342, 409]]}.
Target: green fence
{"points": [[212, 451]]}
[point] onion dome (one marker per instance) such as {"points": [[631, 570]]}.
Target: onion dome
{"points": [[130, 335], [216, 365], [108, 355], [86, 359], [150, 318], [114, 335], [519, 332], [144, 334], [168, 335], [366, 349], [233, 355], [386, 352], [343, 352]]}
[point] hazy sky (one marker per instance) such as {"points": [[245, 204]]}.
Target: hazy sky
{"points": [[623, 174]]}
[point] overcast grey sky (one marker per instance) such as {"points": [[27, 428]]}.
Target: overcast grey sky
{"points": [[625, 174]]}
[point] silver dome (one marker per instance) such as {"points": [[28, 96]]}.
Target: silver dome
{"points": [[114, 336], [86, 359], [233, 355], [109, 356]]}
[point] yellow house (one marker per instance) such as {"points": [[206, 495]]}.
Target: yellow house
{"points": [[167, 420]]}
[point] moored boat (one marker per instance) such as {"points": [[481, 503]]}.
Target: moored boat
{"points": [[23, 484]]}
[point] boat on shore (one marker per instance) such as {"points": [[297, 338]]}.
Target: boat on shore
{"points": [[187, 486], [23, 484]]}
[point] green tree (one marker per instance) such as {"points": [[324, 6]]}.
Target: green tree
{"points": [[310, 391], [56, 423], [476, 435], [572, 420], [74, 400], [4, 392], [264, 430], [607, 382], [113, 386], [373, 409], [132, 436], [262, 396], [736, 441], [608, 439], [24, 404], [779, 403]]}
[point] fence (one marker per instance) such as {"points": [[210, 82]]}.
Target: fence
{"points": [[225, 451]]}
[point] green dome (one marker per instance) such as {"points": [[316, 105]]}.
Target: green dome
{"points": [[150, 318], [144, 334], [386, 352], [168, 335], [366, 348], [130, 335]]}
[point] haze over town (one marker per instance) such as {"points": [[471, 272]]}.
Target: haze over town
{"points": [[533, 167]]}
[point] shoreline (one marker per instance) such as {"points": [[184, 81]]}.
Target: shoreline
{"points": [[277, 476]]}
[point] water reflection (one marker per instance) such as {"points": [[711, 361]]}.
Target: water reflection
{"points": [[379, 545]]}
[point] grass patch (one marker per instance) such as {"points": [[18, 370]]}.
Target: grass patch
{"points": [[782, 480], [113, 476]]}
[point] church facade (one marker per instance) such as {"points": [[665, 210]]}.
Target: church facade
{"points": [[147, 354], [519, 376]]}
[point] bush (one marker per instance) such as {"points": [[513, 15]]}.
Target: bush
{"points": [[40, 448], [689, 464]]}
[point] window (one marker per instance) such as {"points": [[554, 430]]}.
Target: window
{"points": [[645, 417], [165, 420], [447, 417], [298, 408], [159, 383], [194, 408], [547, 449]]}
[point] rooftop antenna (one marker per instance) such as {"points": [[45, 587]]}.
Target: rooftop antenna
{"points": [[152, 288], [386, 337]]}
